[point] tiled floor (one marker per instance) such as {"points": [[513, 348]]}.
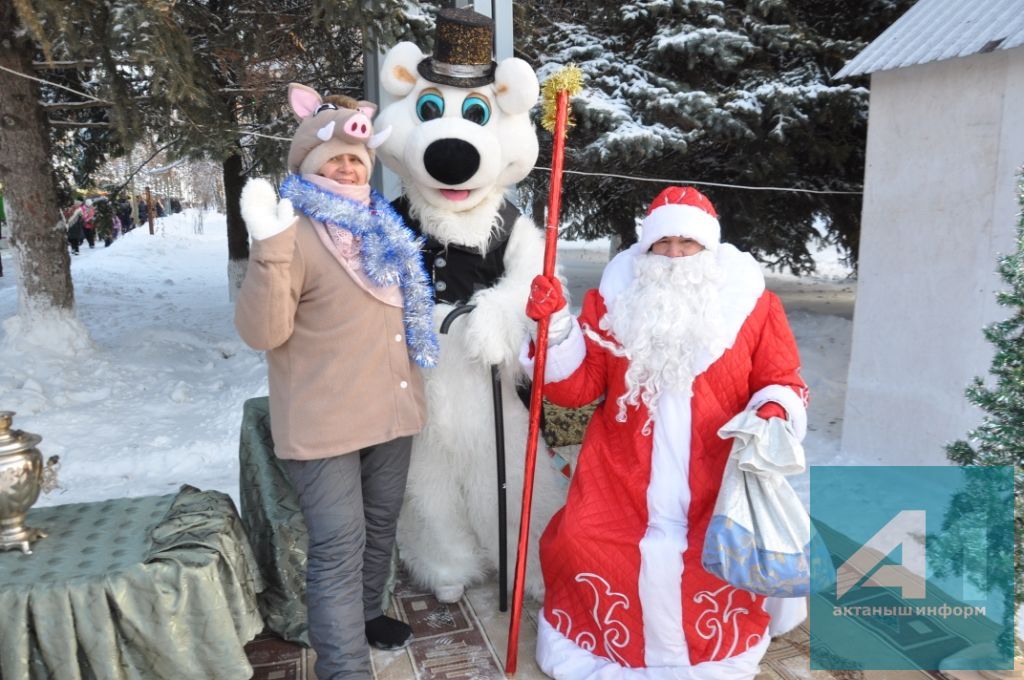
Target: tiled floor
{"points": [[468, 640], [447, 649]]}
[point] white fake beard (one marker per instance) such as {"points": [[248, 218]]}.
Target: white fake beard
{"points": [[667, 319]]}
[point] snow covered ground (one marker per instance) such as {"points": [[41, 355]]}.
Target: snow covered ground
{"points": [[155, 399]]}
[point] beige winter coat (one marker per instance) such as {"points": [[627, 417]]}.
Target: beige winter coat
{"points": [[340, 374]]}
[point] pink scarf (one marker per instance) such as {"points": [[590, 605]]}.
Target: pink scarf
{"points": [[345, 247]]}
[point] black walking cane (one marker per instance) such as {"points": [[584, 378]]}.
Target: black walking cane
{"points": [[499, 444]]}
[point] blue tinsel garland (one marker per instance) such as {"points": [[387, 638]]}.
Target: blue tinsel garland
{"points": [[390, 255]]}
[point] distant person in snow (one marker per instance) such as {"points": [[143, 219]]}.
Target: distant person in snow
{"points": [[104, 221], [143, 213], [89, 222], [679, 338], [337, 294], [75, 227], [124, 214]]}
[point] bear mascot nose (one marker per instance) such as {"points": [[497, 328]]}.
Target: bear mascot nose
{"points": [[451, 161]]}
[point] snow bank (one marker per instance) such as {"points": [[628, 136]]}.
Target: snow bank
{"points": [[155, 399]]}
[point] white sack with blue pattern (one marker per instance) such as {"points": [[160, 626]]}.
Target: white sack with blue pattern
{"points": [[759, 535]]}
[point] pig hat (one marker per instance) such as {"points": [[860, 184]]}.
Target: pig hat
{"points": [[328, 129]]}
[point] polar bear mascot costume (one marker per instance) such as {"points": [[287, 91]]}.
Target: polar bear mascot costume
{"points": [[461, 137]]}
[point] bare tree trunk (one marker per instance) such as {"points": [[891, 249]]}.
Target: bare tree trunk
{"points": [[37, 232], [238, 235]]}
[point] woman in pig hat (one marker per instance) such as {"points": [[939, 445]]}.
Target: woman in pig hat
{"points": [[336, 294]]}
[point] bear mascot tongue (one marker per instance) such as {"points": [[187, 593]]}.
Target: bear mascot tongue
{"points": [[455, 194], [461, 137]]}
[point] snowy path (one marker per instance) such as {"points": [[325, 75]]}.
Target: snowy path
{"points": [[157, 402]]}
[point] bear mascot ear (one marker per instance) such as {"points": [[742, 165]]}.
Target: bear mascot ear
{"points": [[398, 75], [516, 86]]}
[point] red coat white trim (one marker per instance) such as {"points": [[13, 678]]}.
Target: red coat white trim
{"points": [[621, 561]]}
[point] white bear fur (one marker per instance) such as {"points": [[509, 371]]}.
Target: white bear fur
{"points": [[447, 532]]}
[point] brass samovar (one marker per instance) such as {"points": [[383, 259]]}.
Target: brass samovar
{"points": [[21, 478]]}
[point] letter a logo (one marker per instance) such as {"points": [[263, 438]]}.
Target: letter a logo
{"points": [[907, 529]]}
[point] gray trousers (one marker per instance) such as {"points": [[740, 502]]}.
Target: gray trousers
{"points": [[350, 504]]}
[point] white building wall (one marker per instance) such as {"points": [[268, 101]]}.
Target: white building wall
{"points": [[944, 143]]}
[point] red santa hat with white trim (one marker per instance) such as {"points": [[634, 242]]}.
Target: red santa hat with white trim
{"points": [[680, 211]]}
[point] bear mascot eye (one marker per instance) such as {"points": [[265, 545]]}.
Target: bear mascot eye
{"points": [[429, 106], [476, 110]]}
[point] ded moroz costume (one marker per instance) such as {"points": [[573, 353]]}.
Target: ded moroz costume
{"points": [[678, 346]]}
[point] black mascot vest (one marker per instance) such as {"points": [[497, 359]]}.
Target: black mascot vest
{"points": [[456, 272]]}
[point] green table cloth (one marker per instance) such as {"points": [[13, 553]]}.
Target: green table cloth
{"points": [[150, 587], [273, 520]]}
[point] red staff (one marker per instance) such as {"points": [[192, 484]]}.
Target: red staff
{"points": [[557, 90]]}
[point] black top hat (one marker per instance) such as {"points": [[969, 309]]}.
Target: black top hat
{"points": [[463, 42]]}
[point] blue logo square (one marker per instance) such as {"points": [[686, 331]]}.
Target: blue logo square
{"points": [[918, 569]]}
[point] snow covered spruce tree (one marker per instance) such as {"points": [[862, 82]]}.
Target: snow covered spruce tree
{"points": [[999, 440], [206, 78], [728, 91]]}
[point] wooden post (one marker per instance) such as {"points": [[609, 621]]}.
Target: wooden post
{"points": [[150, 209], [3, 220]]}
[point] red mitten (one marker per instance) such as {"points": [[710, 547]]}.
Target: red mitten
{"points": [[545, 297], [771, 410]]}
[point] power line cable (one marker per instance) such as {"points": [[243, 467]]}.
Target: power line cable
{"points": [[655, 180], [702, 183]]}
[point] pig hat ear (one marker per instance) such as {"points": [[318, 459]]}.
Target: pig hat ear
{"points": [[303, 100]]}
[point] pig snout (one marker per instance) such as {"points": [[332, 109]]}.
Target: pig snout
{"points": [[358, 126]]}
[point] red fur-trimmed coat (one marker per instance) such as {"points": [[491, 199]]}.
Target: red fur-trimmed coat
{"points": [[622, 560]]}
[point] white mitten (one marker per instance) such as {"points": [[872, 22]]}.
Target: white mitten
{"points": [[264, 216], [558, 327]]}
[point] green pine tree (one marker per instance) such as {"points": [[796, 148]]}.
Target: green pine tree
{"points": [[198, 78], [999, 440], [728, 91]]}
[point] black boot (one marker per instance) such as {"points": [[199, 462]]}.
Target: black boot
{"points": [[385, 632]]}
